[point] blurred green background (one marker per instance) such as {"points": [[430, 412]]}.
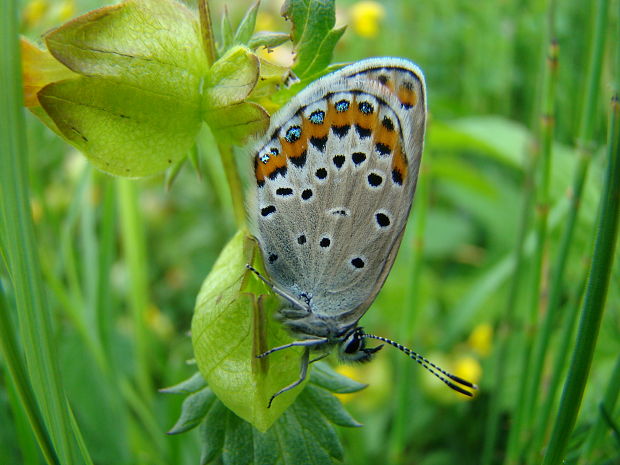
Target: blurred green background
{"points": [[450, 287]]}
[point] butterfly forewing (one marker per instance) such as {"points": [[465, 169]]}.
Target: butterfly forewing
{"points": [[336, 175]]}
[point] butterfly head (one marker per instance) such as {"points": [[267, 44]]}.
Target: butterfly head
{"points": [[353, 347]]}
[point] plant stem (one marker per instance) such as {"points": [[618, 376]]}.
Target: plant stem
{"points": [[206, 30], [591, 95], [598, 430], [407, 326], [594, 302], [531, 374], [545, 139], [559, 368], [234, 182], [137, 264]]}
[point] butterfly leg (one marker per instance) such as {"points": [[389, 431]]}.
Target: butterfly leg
{"points": [[278, 290], [303, 343], [320, 357], [305, 361]]}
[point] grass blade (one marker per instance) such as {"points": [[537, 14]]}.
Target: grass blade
{"points": [[594, 302], [15, 367], [591, 96], [21, 254]]}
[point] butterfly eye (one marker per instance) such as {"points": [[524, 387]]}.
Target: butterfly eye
{"points": [[353, 344]]}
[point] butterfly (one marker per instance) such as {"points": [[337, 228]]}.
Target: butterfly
{"points": [[336, 175]]}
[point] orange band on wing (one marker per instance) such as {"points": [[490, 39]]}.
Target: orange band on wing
{"points": [[407, 96], [399, 165]]}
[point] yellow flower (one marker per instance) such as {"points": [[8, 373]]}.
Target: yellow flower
{"points": [[34, 12], [481, 339], [365, 18], [350, 371], [66, 10], [377, 375]]}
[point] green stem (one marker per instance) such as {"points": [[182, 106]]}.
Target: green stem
{"points": [[546, 126], [559, 368], [506, 325], [598, 430], [594, 302], [206, 31], [531, 373], [598, 31], [409, 312], [137, 264], [107, 255], [234, 183]]}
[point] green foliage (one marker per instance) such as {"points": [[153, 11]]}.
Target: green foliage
{"points": [[303, 434], [313, 34], [99, 278], [136, 111], [231, 325]]}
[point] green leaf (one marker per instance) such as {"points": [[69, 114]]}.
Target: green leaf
{"points": [[154, 45], [39, 68], [497, 137], [284, 94], [302, 435], [323, 376], [123, 130], [213, 432], [136, 110], [193, 384], [172, 173], [195, 407], [231, 78], [330, 407], [456, 170], [227, 31], [313, 33], [236, 123], [267, 39], [320, 442], [232, 324], [272, 78], [247, 25]]}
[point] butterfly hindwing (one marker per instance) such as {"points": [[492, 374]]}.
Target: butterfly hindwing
{"points": [[336, 175]]}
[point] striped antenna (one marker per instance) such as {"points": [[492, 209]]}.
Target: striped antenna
{"points": [[443, 375]]}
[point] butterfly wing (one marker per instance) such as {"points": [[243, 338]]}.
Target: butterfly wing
{"points": [[336, 176]]}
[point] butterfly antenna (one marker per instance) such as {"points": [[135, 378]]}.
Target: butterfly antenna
{"points": [[440, 373]]}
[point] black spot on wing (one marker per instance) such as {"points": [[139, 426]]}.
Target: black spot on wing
{"points": [[321, 173], [383, 149], [362, 131], [338, 161], [341, 131], [268, 210], [374, 179], [319, 142], [358, 158], [397, 177], [299, 161]]}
